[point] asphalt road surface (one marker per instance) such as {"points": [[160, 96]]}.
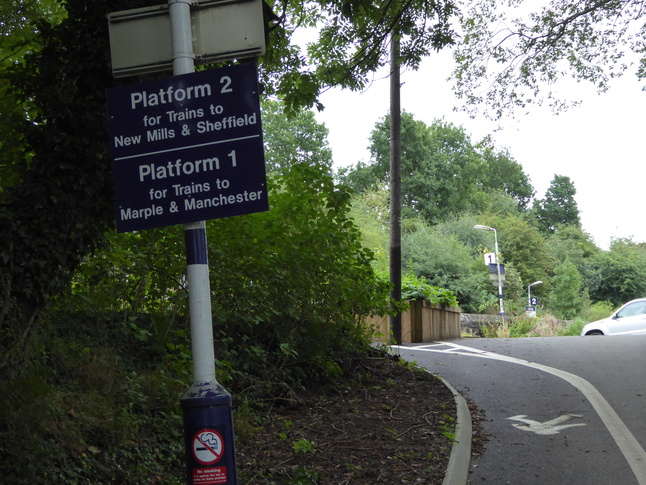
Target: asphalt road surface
{"points": [[560, 410]]}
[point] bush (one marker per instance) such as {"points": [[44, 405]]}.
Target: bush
{"points": [[597, 311], [546, 326], [572, 329], [509, 328], [290, 285], [414, 288]]}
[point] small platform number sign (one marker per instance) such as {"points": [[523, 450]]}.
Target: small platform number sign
{"points": [[490, 258]]}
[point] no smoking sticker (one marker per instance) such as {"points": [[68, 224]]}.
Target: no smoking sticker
{"points": [[208, 446], [210, 476]]}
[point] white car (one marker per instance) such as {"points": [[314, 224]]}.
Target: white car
{"points": [[629, 319]]}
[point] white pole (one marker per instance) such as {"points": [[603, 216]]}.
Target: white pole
{"points": [[206, 405], [529, 295], [529, 292], [181, 36], [199, 303], [197, 271], [502, 308]]}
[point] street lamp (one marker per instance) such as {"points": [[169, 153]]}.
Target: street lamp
{"points": [[495, 238], [529, 292]]}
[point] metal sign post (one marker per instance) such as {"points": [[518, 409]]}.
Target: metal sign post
{"points": [[206, 406], [497, 264], [186, 149]]}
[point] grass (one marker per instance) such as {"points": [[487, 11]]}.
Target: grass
{"points": [[523, 326]]}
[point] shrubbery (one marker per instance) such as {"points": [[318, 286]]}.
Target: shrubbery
{"points": [[415, 288], [100, 394]]}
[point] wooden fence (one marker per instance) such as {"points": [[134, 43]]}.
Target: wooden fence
{"points": [[422, 323]]}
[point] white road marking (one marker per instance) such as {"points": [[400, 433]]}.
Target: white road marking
{"points": [[548, 427], [629, 446]]}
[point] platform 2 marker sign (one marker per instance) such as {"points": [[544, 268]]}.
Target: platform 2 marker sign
{"points": [[187, 148]]}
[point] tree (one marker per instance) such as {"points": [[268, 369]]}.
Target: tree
{"points": [[505, 174], [370, 213], [443, 172], [521, 245], [58, 212], [617, 275], [502, 204], [19, 37], [437, 166], [353, 42], [508, 59], [566, 296], [444, 261], [558, 208], [293, 139], [571, 243]]}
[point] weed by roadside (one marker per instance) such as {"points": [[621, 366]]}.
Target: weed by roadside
{"points": [[523, 326]]}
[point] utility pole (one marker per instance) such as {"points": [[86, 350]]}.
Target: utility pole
{"points": [[395, 189]]}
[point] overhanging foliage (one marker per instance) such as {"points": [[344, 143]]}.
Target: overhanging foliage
{"points": [[513, 53]]}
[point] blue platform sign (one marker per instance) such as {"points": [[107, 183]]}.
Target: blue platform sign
{"points": [[187, 148]]}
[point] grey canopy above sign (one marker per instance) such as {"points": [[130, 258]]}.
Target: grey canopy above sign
{"points": [[222, 30]]}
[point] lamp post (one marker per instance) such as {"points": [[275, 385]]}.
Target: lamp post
{"points": [[529, 292], [495, 238]]}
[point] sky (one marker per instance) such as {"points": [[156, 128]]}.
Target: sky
{"points": [[600, 144]]}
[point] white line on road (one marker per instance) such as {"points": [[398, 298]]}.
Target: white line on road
{"points": [[629, 446]]}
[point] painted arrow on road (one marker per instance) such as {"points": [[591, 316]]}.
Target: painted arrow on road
{"points": [[548, 427]]}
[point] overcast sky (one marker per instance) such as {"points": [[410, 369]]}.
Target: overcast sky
{"points": [[599, 145]]}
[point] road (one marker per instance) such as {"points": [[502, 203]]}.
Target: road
{"points": [[560, 410]]}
